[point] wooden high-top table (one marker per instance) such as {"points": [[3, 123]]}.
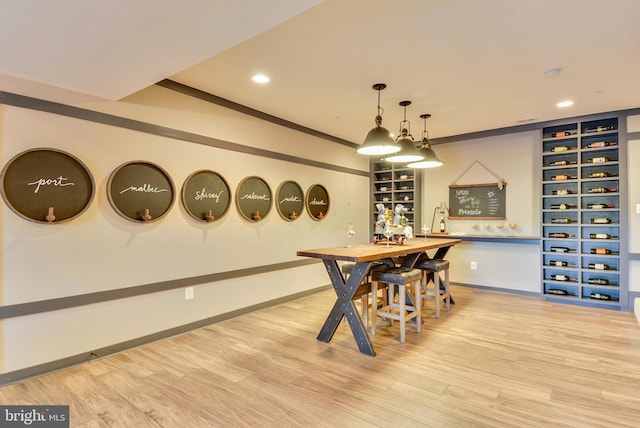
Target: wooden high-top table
{"points": [[413, 251]]}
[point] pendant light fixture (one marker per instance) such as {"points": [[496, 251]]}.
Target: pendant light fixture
{"points": [[378, 140], [430, 159], [408, 151]]}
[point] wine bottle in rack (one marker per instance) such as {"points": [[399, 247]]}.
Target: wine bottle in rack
{"points": [[600, 128], [562, 163], [600, 296], [599, 266], [603, 190], [599, 144], [561, 249], [563, 177], [560, 149], [560, 235], [602, 251], [562, 192], [560, 263], [600, 236], [561, 220], [562, 206], [598, 281], [599, 206], [562, 278], [598, 159], [601, 220], [599, 174], [560, 134]]}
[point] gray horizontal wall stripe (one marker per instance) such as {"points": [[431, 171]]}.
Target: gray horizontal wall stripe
{"points": [[22, 374], [30, 308], [136, 125], [223, 102]]}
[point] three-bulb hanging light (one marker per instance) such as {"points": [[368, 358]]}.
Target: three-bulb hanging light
{"points": [[408, 151], [430, 159], [378, 141]]}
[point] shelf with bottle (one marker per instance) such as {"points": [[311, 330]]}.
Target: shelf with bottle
{"points": [[560, 132], [560, 203], [555, 218], [561, 232], [601, 278], [600, 157], [596, 263], [600, 233], [559, 174], [600, 126], [597, 187], [601, 295], [561, 290], [561, 261], [599, 142], [567, 247], [559, 189]]}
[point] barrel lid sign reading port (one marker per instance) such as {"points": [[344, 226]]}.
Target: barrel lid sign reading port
{"points": [[47, 186]]}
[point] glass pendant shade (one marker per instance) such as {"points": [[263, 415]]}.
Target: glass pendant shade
{"points": [[378, 142], [430, 159], [408, 152]]}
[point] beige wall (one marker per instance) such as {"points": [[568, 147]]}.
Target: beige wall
{"points": [[101, 251]]}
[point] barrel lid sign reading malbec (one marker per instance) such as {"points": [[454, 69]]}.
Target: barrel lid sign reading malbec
{"points": [[478, 201]]}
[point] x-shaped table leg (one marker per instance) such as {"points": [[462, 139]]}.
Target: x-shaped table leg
{"points": [[344, 305]]}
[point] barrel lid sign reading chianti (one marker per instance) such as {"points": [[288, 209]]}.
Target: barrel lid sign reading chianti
{"points": [[478, 201], [206, 196], [317, 202], [47, 186], [140, 191]]}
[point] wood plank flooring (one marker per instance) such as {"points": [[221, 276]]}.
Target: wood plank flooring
{"points": [[496, 360]]}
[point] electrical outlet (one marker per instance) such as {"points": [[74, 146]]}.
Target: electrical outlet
{"points": [[637, 208], [474, 265], [188, 293]]}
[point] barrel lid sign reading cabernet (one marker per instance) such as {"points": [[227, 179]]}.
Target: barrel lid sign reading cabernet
{"points": [[478, 201], [253, 199], [140, 191], [47, 185]]}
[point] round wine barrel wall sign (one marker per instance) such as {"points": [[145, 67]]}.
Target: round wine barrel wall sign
{"points": [[317, 201], [140, 191], [289, 200], [206, 196], [47, 186], [253, 198]]}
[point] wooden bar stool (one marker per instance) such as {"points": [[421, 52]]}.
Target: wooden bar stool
{"points": [[402, 278], [436, 266], [365, 301]]}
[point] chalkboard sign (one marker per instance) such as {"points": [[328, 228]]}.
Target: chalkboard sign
{"points": [[206, 196], [477, 201], [253, 198], [317, 202], [140, 191], [47, 186], [289, 200]]}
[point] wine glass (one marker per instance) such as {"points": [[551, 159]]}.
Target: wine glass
{"points": [[425, 230], [388, 232], [351, 232]]}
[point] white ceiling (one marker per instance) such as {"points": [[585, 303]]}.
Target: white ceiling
{"points": [[473, 65]]}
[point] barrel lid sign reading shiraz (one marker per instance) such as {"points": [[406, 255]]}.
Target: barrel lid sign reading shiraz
{"points": [[478, 201], [47, 186], [206, 196], [140, 191]]}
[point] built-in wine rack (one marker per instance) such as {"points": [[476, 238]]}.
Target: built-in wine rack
{"points": [[581, 197], [395, 184]]}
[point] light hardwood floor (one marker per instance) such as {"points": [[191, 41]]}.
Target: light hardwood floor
{"points": [[497, 359]]}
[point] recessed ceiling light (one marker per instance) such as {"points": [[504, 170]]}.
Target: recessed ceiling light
{"points": [[260, 78], [563, 104]]}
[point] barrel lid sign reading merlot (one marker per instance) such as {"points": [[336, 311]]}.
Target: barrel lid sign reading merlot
{"points": [[47, 186], [478, 201]]}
